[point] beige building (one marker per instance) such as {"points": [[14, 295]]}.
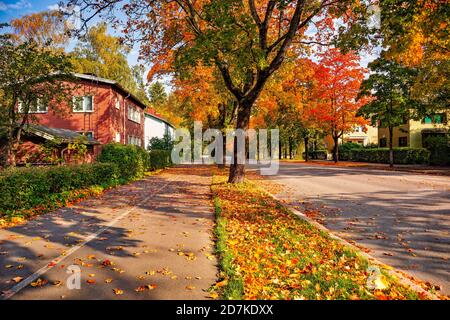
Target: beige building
{"points": [[359, 135], [413, 133]]}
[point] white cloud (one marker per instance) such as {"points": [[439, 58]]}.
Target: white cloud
{"points": [[53, 7], [20, 4]]}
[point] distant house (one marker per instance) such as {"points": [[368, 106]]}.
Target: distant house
{"points": [[101, 110], [155, 126], [414, 133], [359, 135]]}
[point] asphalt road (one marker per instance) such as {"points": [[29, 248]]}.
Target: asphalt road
{"points": [[402, 218]]}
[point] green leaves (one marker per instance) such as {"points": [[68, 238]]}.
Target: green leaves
{"points": [[390, 85]]}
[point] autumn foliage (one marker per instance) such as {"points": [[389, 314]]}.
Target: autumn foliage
{"points": [[278, 256]]}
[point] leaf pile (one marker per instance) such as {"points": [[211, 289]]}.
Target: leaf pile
{"points": [[269, 253]]}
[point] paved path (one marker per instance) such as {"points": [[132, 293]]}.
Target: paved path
{"points": [[403, 218], [155, 232]]}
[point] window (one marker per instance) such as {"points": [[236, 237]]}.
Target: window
{"points": [[118, 137], [87, 134], [435, 119], [83, 104], [35, 107], [133, 114], [117, 103], [403, 141], [383, 143], [134, 141]]}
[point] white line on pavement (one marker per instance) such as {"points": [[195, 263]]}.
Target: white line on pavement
{"points": [[24, 283]]}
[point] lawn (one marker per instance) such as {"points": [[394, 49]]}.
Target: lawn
{"points": [[266, 252]]}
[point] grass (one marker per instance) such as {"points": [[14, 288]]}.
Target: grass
{"points": [[63, 199], [266, 252], [233, 287]]}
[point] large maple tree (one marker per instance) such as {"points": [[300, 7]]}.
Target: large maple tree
{"points": [[245, 40], [339, 77]]}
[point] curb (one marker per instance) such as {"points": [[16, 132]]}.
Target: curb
{"points": [[402, 279]]}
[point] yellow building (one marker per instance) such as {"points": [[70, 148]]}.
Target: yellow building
{"points": [[413, 133], [359, 135]]}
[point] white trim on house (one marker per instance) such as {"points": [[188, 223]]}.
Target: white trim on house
{"points": [[155, 127], [84, 104], [134, 114]]}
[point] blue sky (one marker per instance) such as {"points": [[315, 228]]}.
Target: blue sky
{"points": [[10, 9]]}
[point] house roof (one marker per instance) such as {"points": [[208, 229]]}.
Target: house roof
{"points": [[154, 115], [113, 84], [118, 87], [64, 135]]}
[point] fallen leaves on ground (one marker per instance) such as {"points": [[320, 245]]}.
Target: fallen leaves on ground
{"points": [[118, 291], [278, 256]]}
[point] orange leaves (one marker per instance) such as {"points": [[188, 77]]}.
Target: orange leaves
{"points": [[118, 291], [278, 256]]}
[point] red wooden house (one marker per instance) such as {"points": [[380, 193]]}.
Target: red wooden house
{"points": [[101, 109]]}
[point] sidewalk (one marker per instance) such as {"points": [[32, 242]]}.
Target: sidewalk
{"points": [[420, 169], [148, 240]]}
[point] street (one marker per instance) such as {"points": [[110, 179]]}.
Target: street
{"points": [[402, 218]]}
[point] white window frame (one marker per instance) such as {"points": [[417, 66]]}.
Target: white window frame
{"points": [[38, 104], [84, 110], [134, 114], [83, 133], [117, 103], [135, 141]]}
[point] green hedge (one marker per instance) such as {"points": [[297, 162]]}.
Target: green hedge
{"points": [[26, 188], [160, 159], [381, 155], [316, 155], [132, 161], [440, 150]]}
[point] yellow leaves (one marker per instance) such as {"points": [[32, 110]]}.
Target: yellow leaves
{"points": [[146, 287], [280, 257], [222, 283], [117, 291], [214, 295], [39, 283], [57, 283], [17, 279]]}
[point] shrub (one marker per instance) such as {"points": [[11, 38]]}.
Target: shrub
{"points": [[26, 188], [160, 159], [381, 155], [132, 161], [350, 146], [316, 155], [439, 147], [164, 143]]}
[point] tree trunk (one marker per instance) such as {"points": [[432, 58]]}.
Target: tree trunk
{"points": [[336, 149], [391, 149], [237, 170], [307, 149], [290, 148], [224, 153], [280, 151]]}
